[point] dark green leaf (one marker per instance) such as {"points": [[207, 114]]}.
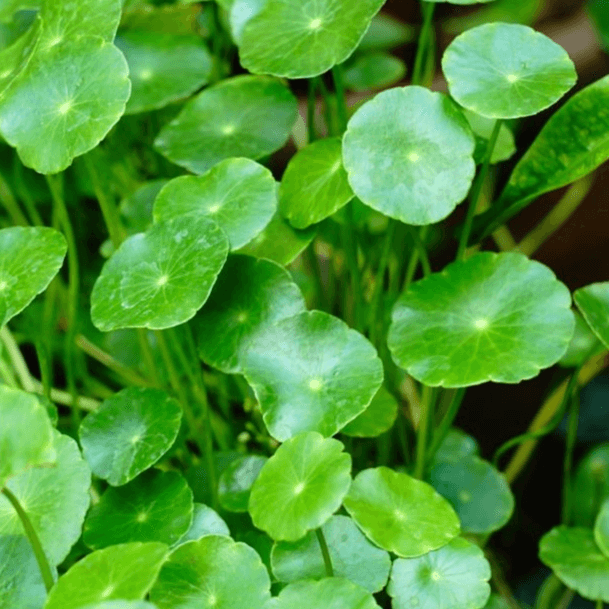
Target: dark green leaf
{"points": [[597, 9], [591, 486], [136, 209], [583, 343], [385, 32], [593, 302], [378, 418], [236, 482], [374, 71]]}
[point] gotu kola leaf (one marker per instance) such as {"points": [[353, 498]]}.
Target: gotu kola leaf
{"points": [[374, 71], [601, 529], [236, 481], [205, 521], [591, 486], [378, 417], [593, 302]]}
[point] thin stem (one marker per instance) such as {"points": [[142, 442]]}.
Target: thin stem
{"points": [[148, 356], [312, 262], [30, 532], [174, 377], [568, 460], [446, 423], [328, 106], [427, 9], [419, 246], [600, 604], [311, 106], [423, 431], [14, 354], [341, 100], [7, 375], [10, 203], [325, 552], [348, 235], [476, 191], [44, 364], [413, 261]]}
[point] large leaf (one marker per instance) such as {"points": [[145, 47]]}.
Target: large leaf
{"points": [[304, 38], [409, 154], [400, 514], [129, 432], [593, 302], [248, 116], [311, 372], [468, 325], [236, 481], [300, 486], [161, 278]]}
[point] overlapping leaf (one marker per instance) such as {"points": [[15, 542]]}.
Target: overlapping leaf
{"points": [[374, 71], [236, 481], [205, 521], [601, 529], [593, 302], [591, 486], [378, 417]]}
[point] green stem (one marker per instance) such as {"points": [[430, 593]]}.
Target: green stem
{"points": [[30, 532], [7, 375], [423, 431], [174, 377], [341, 100], [419, 246], [600, 604], [148, 356], [374, 320], [348, 235], [476, 191], [568, 460], [328, 107], [428, 10], [446, 423], [44, 363], [313, 263], [311, 105], [10, 203], [403, 437], [14, 354], [413, 261], [325, 552]]}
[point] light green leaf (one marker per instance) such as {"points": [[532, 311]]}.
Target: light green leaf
{"points": [[235, 482], [378, 417], [456, 445], [214, 571], [576, 560], [374, 71], [311, 372], [205, 521], [129, 432], [10, 7], [385, 32], [304, 38], [161, 278], [314, 185], [29, 259], [591, 485], [26, 434], [121, 605], [353, 556], [239, 194], [300, 486], [582, 345], [15, 58], [244, 116], [506, 70], [593, 302], [125, 571], [601, 529], [250, 296], [163, 68], [400, 514], [408, 153], [453, 577], [240, 12], [468, 325], [505, 146], [156, 506]]}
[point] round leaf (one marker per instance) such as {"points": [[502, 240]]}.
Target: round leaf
{"points": [[311, 372], [400, 514], [601, 529], [408, 153], [304, 38], [239, 194], [29, 259], [453, 577], [129, 432], [248, 298], [245, 116], [314, 185], [591, 486], [120, 605], [235, 482], [214, 572], [467, 325], [378, 418], [374, 71], [163, 67], [156, 506], [204, 522], [456, 445], [300, 486], [583, 343], [506, 70], [119, 572], [161, 278], [593, 302], [576, 560], [353, 556], [385, 32]]}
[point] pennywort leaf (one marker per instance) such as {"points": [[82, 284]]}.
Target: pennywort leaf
{"points": [[601, 529], [205, 521], [593, 302]]}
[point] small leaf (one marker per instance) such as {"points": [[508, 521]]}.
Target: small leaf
{"points": [[244, 116], [593, 302], [129, 432], [161, 278], [235, 482], [456, 445], [385, 32], [582, 345], [214, 571], [300, 486], [136, 209], [591, 485], [205, 521], [156, 506], [597, 10], [378, 418], [119, 572], [506, 70], [576, 560], [353, 556], [374, 71], [400, 514], [408, 153], [453, 577], [505, 147], [239, 194], [120, 605], [311, 372], [467, 325], [601, 529]]}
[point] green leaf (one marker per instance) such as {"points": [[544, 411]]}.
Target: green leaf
{"points": [[29, 259], [300, 486], [304, 38], [240, 12], [10, 7], [378, 418], [506, 70], [156, 506], [583, 343], [408, 153], [505, 147], [453, 577], [26, 434], [129, 432], [460, 2], [136, 209], [163, 68], [601, 529], [161, 278], [125, 571], [120, 605], [279, 242], [214, 572], [508, 11], [16, 57], [400, 514], [374, 71], [314, 185], [205, 521], [385, 32], [353, 556], [239, 194], [597, 10], [456, 445], [496, 602], [311, 372], [591, 485], [478, 493], [244, 116], [249, 297], [468, 325], [576, 560], [235, 482], [593, 302]]}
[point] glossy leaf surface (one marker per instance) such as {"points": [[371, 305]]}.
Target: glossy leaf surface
{"points": [[593, 302], [205, 521], [378, 417], [235, 482], [456, 445], [601, 529]]}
